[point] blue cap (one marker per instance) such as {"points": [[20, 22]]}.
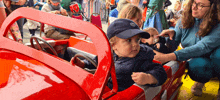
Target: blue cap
{"points": [[125, 28]]}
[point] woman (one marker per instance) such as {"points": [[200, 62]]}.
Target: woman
{"points": [[199, 33], [14, 27], [13, 5]]}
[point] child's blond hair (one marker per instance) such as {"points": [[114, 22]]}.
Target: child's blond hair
{"points": [[129, 11], [121, 4], [148, 29]]}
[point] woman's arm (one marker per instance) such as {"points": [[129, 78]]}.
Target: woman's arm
{"points": [[164, 57], [203, 46]]}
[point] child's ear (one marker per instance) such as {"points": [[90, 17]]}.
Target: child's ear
{"points": [[113, 46]]}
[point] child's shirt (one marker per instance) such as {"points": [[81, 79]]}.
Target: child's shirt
{"points": [[142, 62]]}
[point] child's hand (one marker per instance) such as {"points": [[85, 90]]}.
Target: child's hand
{"points": [[142, 78], [76, 61]]}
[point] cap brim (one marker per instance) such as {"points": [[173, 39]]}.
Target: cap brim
{"points": [[132, 32]]}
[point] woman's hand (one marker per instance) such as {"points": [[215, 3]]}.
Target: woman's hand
{"points": [[164, 57], [167, 33]]}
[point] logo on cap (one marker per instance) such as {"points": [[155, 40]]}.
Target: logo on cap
{"points": [[132, 24]]}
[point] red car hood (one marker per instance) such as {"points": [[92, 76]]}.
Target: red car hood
{"points": [[26, 78]]}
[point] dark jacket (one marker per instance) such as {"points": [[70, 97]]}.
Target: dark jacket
{"points": [[164, 47], [142, 62]]}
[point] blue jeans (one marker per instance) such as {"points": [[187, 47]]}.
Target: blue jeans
{"points": [[202, 69], [20, 22]]}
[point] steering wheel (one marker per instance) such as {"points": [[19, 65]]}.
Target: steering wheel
{"points": [[87, 58], [37, 39]]}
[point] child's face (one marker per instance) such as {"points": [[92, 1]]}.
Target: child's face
{"points": [[138, 20], [152, 39], [127, 47]]}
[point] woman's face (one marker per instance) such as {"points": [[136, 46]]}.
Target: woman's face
{"points": [[199, 8]]}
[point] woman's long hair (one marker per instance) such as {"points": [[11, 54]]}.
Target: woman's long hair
{"points": [[210, 19]]}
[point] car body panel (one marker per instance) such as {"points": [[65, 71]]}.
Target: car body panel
{"points": [[37, 79], [91, 84]]}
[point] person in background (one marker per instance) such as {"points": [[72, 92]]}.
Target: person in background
{"points": [[145, 6], [65, 4], [198, 32], [156, 16], [114, 13], [173, 15], [167, 3], [32, 25], [13, 5], [53, 6], [133, 62], [131, 12], [14, 27]]}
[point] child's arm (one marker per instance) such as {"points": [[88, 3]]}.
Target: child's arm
{"points": [[142, 78], [153, 72]]}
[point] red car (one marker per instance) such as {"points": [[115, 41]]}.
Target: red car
{"points": [[28, 72]]}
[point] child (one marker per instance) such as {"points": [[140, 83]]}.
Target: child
{"points": [[53, 6], [133, 62], [158, 44], [133, 13]]}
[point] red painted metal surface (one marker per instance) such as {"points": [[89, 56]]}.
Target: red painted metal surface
{"points": [[25, 78], [91, 84], [2, 12]]}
